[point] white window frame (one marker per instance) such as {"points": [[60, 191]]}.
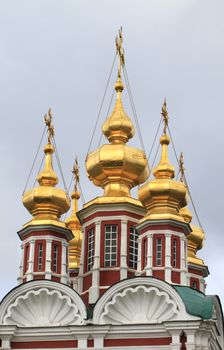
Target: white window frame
{"points": [[133, 248], [159, 251], [40, 250], [174, 252], [55, 257], [110, 245], [91, 246]]}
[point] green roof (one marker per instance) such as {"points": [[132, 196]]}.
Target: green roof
{"points": [[196, 303]]}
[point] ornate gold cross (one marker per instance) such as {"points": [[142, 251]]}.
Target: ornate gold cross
{"points": [[165, 117], [75, 172], [120, 50], [50, 127]]}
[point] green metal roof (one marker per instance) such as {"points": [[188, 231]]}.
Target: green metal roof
{"points": [[196, 303]]}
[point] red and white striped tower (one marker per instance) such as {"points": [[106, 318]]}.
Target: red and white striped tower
{"points": [[45, 238], [109, 250]]}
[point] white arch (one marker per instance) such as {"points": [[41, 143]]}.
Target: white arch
{"points": [[42, 303], [140, 300]]}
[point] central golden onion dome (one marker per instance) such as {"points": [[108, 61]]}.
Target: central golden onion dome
{"points": [[116, 167], [74, 225], [163, 196], [46, 203]]}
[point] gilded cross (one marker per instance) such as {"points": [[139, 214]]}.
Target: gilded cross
{"points": [[181, 167], [120, 50], [75, 172], [165, 117], [50, 127]]}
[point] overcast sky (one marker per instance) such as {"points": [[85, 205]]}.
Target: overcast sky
{"points": [[59, 53]]}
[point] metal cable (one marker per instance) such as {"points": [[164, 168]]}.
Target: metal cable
{"points": [[59, 166], [154, 139], [133, 107], [39, 170], [106, 117], [94, 130], [185, 181], [34, 161]]}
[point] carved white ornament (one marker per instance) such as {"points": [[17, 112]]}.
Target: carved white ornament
{"points": [[42, 307], [140, 304]]}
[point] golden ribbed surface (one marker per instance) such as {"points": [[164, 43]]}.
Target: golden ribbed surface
{"points": [[163, 197], [74, 225], [46, 203], [117, 167], [194, 240]]}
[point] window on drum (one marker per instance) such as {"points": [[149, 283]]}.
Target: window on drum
{"points": [[91, 245], [110, 247]]}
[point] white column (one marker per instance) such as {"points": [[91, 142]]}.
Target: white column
{"points": [[81, 266], [191, 344], [94, 290], [139, 267], [98, 341], [168, 266], [175, 345], [183, 261], [29, 272], [48, 259], [20, 278], [6, 343], [148, 267], [123, 250], [64, 274], [82, 342]]}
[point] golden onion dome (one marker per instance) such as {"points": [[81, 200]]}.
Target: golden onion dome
{"points": [[74, 225], [194, 240], [46, 203], [117, 167], [163, 197]]}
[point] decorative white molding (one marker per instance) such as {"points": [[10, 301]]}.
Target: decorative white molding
{"points": [[140, 300], [42, 304]]}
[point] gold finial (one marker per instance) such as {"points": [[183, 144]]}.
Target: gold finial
{"points": [[120, 50], [165, 116], [181, 167], [75, 172], [50, 127]]}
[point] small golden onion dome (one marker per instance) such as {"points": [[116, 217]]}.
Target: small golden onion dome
{"points": [[116, 167], [163, 197], [118, 127], [74, 225], [194, 243], [46, 202], [194, 239]]}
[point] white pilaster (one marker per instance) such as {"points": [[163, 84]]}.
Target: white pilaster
{"points": [[148, 267], [183, 261], [48, 259], [6, 343], [29, 272], [139, 267], [123, 250], [64, 274], [21, 266], [168, 266], [94, 290], [175, 345], [191, 343], [81, 266]]}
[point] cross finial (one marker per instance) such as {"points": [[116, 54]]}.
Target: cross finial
{"points": [[165, 116], [120, 50], [50, 127], [75, 172], [181, 167]]}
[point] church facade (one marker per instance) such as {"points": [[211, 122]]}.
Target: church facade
{"points": [[121, 273]]}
